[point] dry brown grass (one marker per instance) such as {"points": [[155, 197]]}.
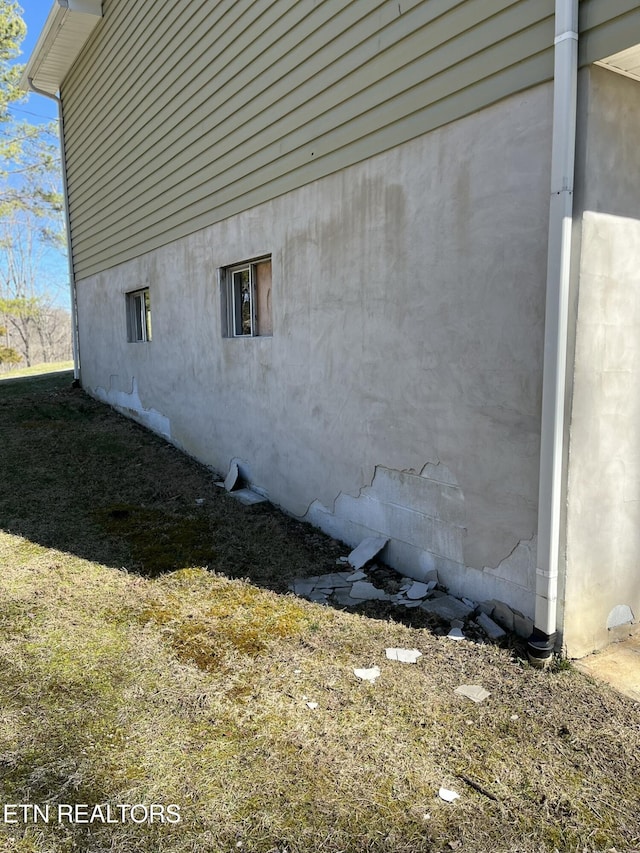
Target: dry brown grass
{"points": [[185, 677]]}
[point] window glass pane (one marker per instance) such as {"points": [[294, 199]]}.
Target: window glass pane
{"points": [[137, 313], [243, 308], [147, 315]]}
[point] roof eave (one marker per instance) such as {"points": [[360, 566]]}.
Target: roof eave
{"points": [[66, 31]]}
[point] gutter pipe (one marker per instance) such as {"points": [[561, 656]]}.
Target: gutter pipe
{"points": [[67, 219], [542, 642]]}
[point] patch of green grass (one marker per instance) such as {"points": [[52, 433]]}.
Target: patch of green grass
{"points": [[37, 370]]}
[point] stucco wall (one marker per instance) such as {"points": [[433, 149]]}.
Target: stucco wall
{"points": [[408, 308], [602, 587]]}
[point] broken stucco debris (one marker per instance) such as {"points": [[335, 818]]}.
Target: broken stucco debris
{"points": [[366, 551], [334, 580], [356, 576], [232, 484], [344, 598], [232, 477], [403, 655], [351, 588], [447, 607], [319, 596], [312, 705], [472, 691], [447, 795], [248, 497], [303, 588], [370, 674], [491, 628], [367, 591], [522, 625], [503, 615], [419, 590], [507, 617], [456, 634]]}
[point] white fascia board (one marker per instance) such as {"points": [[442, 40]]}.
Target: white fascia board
{"points": [[66, 31], [627, 62]]}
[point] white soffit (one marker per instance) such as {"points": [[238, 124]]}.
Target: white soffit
{"points": [[626, 62], [65, 33]]}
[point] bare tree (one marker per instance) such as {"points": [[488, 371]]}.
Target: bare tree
{"points": [[35, 326]]}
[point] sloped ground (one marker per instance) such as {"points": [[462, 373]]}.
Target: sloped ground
{"points": [[150, 654]]}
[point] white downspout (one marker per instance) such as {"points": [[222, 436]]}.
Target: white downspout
{"points": [[542, 641], [67, 219]]}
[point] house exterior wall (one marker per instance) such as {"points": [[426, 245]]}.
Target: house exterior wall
{"points": [[179, 115], [607, 27], [400, 390], [602, 586]]}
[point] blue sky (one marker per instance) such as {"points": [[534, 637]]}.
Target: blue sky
{"points": [[36, 109], [35, 14]]}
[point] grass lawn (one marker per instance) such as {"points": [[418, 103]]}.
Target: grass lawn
{"points": [[150, 654], [37, 370]]}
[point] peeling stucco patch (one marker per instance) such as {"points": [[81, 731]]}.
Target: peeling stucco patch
{"points": [[621, 614], [519, 566], [129, 403], [423, 516]]}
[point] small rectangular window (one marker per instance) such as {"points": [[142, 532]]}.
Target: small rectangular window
{"points": [[138, 315], [246, 299]]}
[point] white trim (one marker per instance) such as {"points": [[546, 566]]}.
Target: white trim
{"points": [[556, 319], [49, 63], [570, 34], [605, 63]]}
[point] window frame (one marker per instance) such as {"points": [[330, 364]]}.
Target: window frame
{"points": [[138, 304], [231, 289], [238, 319]]}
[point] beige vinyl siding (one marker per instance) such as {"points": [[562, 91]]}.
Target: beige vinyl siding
{"points": [[178, 115], [607, 27]]}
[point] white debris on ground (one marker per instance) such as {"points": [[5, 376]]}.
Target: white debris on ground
{"points": [[367, 550], [472, 691], [491, 628], [360, 584], [368, 674], [403, 655], [447, 795], [456, 634], [232, 477]]}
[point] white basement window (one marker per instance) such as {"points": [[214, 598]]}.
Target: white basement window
{"points": [[246, 299], [138, 315]]}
